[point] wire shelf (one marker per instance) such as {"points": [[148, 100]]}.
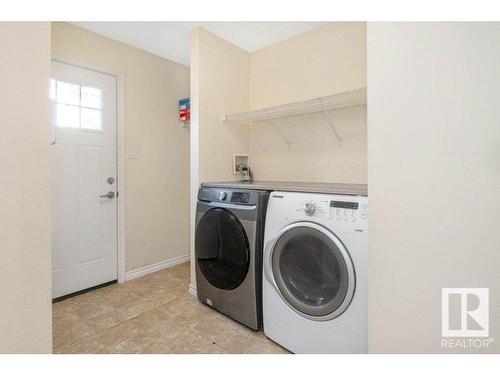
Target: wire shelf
{"points": [[345, 99]]}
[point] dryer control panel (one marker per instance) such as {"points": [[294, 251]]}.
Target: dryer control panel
{"points": [[341, 212]]}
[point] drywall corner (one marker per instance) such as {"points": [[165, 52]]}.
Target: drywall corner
{"points": [[194, 140], [25, 242]]}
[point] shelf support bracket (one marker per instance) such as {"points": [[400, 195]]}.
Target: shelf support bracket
{"points": [[330, 122], [273, 123]]}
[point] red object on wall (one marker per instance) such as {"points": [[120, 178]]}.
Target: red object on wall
{"points": [[184, 110], [186, 117]]}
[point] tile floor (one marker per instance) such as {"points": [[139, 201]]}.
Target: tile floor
{"points": [[150, 314]]}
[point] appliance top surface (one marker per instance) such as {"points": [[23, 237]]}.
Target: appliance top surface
{"points": [[306, 187]]}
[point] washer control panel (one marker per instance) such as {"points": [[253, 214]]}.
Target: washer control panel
{"points": [[337, 212], [230, 196], [342, 211], [347, 211]]}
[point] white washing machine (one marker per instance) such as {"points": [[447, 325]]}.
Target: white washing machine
{"points": [[315, 272]]}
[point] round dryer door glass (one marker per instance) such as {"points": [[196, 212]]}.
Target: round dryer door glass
{"points": [[221, 247], [313, 271]]}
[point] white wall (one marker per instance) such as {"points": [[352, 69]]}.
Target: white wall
{"points": [[434, 177], [219, 85], [25, 221], [157, 183], [324, 61]]}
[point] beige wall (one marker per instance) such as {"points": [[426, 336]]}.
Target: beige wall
{"points": [[324, 61], [219, 85], [223, 87], [434, 151], [25, 224], [157, 192]]}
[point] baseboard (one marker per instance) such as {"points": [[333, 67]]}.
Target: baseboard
{"points": [[192, 290], [141, 271]]}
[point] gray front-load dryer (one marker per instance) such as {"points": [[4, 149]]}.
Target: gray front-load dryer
{"points": [[228, 252]]}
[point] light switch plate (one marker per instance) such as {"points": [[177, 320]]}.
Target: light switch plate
{"points": [[133, 153]]}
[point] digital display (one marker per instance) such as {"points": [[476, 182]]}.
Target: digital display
{"points": [[348, 205], [239, 197]]}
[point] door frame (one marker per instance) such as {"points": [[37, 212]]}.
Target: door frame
{"points": [[120, 153]]}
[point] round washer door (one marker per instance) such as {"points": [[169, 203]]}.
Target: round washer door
{"points": [[313, 271], [221, 249]]}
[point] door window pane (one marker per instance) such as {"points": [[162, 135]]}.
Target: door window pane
{"points": [[91, 119], [91, 97], [77, 107], [68, 93], [67, 116]]}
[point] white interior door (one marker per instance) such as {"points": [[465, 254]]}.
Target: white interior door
{"points": [[84, 231]]}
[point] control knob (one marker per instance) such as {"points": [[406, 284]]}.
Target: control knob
{"points": [[222, 195], [310, 208]]}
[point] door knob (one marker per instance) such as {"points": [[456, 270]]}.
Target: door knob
{"points": [[109, 195]]}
